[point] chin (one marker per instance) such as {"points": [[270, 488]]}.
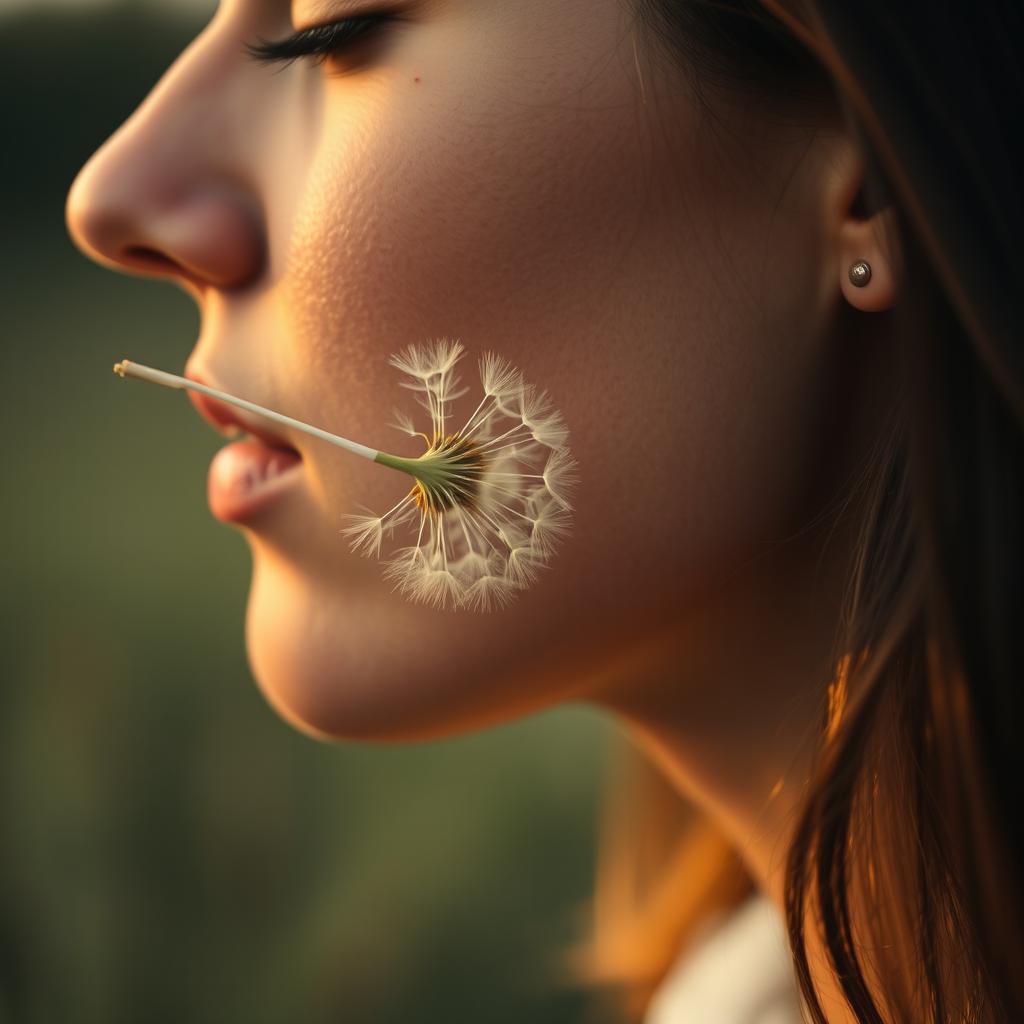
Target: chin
{"points": [[339, 662], [298, 647]]}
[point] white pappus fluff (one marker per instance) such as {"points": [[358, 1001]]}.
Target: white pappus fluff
{"points": [[491, 501]]}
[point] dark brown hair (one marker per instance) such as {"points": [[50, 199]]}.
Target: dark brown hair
{"points": [[908, 851]]}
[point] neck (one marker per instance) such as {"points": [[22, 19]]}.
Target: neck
{"points": [[729, 696], [728, 699]]}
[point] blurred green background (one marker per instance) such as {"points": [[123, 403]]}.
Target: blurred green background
{"points": [[172, 850]]}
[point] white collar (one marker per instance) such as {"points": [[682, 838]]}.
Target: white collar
{"points": [[738, 971]]}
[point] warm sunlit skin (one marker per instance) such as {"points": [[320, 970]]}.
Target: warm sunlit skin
{"points": [[519, 176]]}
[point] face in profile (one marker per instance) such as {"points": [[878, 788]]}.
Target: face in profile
{"points": [[524, 177]]}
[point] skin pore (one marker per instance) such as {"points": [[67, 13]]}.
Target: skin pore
{"points": [[522, 176]]}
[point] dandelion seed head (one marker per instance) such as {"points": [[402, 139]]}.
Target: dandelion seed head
{"points": [[491, 500]]}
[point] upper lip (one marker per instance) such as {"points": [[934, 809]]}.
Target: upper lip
{"points": [[222, 417]]}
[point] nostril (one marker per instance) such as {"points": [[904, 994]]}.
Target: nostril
{"points": [[152, 262], [139, 255]]}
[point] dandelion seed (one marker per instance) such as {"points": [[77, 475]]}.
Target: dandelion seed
{"points": [[499, 379], [489, 591], [560, 476], [404, 425], [550, 525], [543, 422], [522, 565], [490, 502], [367, 533]]}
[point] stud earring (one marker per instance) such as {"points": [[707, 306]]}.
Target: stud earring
{"points": [[860, 273]]}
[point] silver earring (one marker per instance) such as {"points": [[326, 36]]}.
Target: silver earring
{"points": [[860, 273]]}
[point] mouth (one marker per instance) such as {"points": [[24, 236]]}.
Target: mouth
{"points": [[253, 473], [231, 422]]}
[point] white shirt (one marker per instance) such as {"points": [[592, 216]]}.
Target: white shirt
{"points": [[737, 972]]}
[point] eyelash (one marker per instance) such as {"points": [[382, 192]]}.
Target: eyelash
{"points": [[320, 42]]}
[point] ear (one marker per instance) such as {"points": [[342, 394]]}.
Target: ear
{"points": [[857, 234], [873, 240]]}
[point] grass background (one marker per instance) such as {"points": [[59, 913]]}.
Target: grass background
{"points": [[173, 851]]}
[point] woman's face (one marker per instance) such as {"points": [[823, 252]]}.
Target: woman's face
{"points": [[519, 175]]}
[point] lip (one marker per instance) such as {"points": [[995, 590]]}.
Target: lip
{"points": [[246, 476], [228, 420], [239, 485]]}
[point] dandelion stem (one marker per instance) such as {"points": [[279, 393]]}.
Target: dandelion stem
{"points": [[126, 368]]}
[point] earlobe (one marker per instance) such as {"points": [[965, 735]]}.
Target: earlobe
{"points": [[867, 276]]}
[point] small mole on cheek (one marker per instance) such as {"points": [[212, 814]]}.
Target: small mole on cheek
{"points": [[417, 78]]}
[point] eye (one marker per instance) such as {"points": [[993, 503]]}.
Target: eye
{"points": [[320, 42]]}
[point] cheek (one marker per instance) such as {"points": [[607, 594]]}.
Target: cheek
{"points": [[533, 235], [504, 225], [425, 214]]}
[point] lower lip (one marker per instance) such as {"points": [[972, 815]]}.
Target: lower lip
{"points": [[247, 476]]}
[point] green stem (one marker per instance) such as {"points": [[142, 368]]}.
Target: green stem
{"points": [[414, 467]]}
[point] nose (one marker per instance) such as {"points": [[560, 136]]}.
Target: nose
{"points": [[168, 194]]}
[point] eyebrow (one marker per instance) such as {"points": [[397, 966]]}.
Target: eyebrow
{"points": [[316, 8], [312, 12]]}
